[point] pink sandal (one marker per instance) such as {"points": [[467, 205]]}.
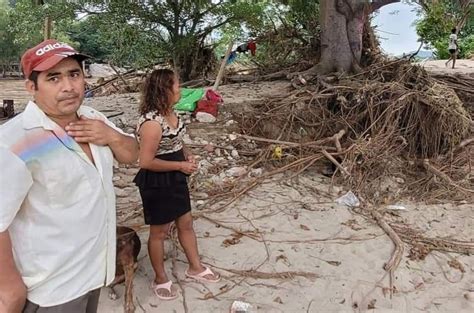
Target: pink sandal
{"points": [[201, 276], [166, 286]]}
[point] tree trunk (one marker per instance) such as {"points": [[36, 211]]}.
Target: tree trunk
{"points": [[192, 60], [336, 53], [342, 25], [47, 28]]}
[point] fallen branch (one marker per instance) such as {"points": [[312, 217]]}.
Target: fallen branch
{"points": [[465, 143], [335, 162], [430, 168], [278, 275], [115, 114], [412, 237], [396, 257], [173, 232]]}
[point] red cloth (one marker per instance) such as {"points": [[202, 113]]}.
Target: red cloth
{"points": [[207, 106], [213, 96], [252, 46]]}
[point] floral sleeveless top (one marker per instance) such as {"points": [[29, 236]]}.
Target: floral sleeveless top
{"points": [[171, 138]]}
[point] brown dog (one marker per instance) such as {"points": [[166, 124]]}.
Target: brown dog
{"points": [[128, 248]]}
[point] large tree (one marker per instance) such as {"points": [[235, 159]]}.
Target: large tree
{"points": [[179, 27], [342, 25]]}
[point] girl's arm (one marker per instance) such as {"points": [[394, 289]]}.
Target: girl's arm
{"points": [[150, 137]]}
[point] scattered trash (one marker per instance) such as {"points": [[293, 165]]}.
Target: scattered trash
{"points": [[349, 199], [241, 307], [204, 117], [235, 154], [213, 95], [256, 172], [207, 106], [209, 148], [277, 152], [232, 137], [236, 171], [396, 207], [189, 98]]}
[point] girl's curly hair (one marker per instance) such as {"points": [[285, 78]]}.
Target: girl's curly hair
{"points": [[157, 91]]}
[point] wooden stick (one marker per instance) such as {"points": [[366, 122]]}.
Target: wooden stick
{"points": [[289, 143], [396, 257], [433, 170], [115, 114], [337, 137], [335, 162], [277, 275], [223, 64], [465, 142], [119, 75]]}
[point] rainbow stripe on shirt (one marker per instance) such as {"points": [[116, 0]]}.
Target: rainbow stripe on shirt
{"points": [[40, 142]]}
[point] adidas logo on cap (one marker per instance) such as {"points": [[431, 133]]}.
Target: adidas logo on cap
{"points": [[50, 47]]}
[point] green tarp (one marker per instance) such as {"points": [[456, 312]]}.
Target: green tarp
{"points": [[189, 99]]}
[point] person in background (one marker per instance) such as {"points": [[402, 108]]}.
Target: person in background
{"points": [[57, 207], [453, 47], [165, 164]]}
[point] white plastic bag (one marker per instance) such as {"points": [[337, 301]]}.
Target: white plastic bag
{"points": [[349, 199]]}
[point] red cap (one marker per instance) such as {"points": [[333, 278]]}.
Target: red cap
{"points": [[46, 55]]}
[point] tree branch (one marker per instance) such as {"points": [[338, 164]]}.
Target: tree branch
{"points": [[466, 12], [377, 4], [424, 5], [210, 9], [209, 29]]}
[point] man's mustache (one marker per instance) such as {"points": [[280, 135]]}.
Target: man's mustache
{"points": [[68, 96]]}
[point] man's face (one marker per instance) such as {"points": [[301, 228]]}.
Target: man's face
{"points": [[60, 90]]}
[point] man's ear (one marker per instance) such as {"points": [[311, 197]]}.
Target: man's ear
{"points": [[30, 87]]}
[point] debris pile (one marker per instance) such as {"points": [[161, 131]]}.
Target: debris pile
{"points": [[392, 121]]}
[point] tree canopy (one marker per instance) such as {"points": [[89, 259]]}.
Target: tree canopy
{"points": [[185, 32], [437, 20]]}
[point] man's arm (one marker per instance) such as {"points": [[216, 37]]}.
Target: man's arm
{"points": [[124, 147], [12, 288]]}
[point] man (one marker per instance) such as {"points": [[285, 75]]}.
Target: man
{"points": [[452, 47], [57, 201]]}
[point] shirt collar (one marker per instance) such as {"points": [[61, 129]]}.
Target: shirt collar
{"points": [[34, 117]]}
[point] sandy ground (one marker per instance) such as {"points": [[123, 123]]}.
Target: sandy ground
{"points": [[439, 66], [300, 229], [301, 251], [296, 226]]}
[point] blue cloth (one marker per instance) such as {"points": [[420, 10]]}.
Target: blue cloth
{"points": [[232, 57]]}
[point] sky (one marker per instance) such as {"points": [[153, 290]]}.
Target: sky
{"points": [[395, 28]]}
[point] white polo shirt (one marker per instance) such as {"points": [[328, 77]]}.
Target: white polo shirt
{"points": [[58, 207]]}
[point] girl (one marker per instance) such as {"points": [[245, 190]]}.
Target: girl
{"points": [[162, 179]]}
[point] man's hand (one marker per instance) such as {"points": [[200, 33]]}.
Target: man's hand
{"points": [[12, 288], [97, 132], [93, 131]]}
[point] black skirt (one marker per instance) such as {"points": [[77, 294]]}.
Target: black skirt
{"points": [[165, 195]]}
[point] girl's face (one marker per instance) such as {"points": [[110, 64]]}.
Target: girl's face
{"points": [[175, 92]]}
